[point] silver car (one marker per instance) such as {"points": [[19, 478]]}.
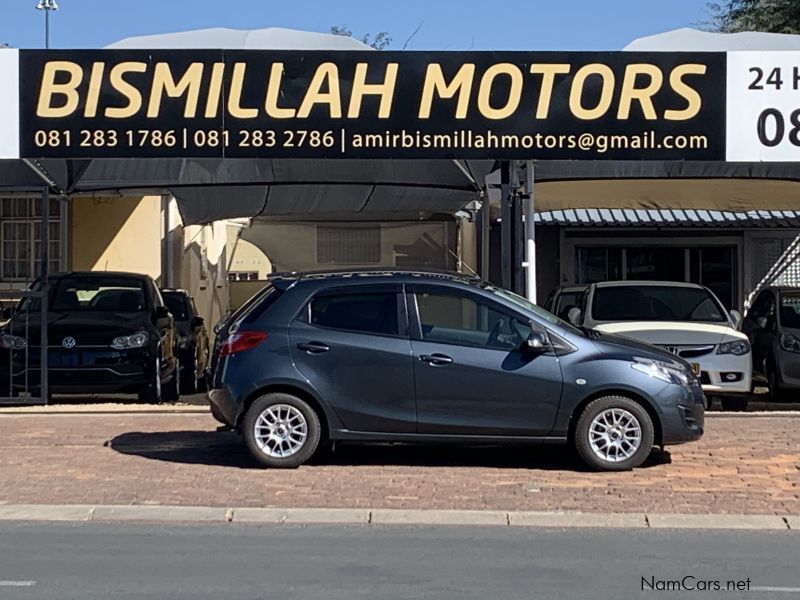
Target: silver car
{"points": [[773, 326]]}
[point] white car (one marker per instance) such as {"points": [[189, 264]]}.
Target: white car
{"points": [[684, 318]]}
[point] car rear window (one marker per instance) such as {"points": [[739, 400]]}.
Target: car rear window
{"points": [[367, 313], [102, 294], [177, 305], [656, 303], [257, 305]]}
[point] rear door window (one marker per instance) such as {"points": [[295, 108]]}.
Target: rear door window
{"points": [[375, 313]]}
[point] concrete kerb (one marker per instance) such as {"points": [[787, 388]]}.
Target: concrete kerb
{"points": [[389, 517]]}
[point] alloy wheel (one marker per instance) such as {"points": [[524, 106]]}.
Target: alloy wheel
{"points": [[615, 435], [280, 431]]}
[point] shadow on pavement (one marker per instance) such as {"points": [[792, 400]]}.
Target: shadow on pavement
{"points": [[226, 449]]}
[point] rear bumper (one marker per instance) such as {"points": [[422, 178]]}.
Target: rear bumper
{"points": [[223, 407]]}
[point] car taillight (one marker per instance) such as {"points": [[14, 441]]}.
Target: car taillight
{"points": [[241, 341]]}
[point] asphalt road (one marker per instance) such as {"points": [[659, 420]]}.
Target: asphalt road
{"points": [[100, 561]]}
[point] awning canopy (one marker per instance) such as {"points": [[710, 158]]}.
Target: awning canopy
{"points": [[212, 189]]}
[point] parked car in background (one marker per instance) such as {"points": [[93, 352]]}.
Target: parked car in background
{"points": [[421, 357], [684, 318], [563, 299], [773, 326], [107, 332], [193, 345]]}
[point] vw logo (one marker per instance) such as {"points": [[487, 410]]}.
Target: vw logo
{"points": [[68, 342]]}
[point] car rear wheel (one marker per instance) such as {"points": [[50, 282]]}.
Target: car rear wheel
{"points": [[281, 430], [614, 433], [172, 389], [189, 381]]}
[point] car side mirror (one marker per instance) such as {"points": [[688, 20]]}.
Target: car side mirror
{"points": [[162, 312], [736, 316], [7, 313], [536, 343], [198, 322], [575, 315]]}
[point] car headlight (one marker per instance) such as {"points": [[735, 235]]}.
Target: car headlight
{"points": [[127, 342], [790, 343], [12, 342], [665, 372], [736, 347]]}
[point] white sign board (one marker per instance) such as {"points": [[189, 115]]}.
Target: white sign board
{"points": [[9, 103], [763, 107]]}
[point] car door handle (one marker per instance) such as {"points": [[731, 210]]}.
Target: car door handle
{"points": [[436, 359], [314, 347]]}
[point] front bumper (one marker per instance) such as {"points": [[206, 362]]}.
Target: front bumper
{"points": [[683, 416], [725, 373], [78, 370]]}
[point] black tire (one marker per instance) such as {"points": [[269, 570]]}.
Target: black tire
{"points": [[151, 394], [735, 403], [582, 438], [308, 447], [172, 388], [188, 382]]}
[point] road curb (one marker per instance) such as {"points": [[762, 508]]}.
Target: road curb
{"points": [[386, 516]]}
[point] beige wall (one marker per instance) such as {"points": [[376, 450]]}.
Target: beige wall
{"points": [[116, 234], [126, 234], [245, 256]]}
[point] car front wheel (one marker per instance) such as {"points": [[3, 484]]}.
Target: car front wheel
{"points": [[281, 430], [614, 433]]}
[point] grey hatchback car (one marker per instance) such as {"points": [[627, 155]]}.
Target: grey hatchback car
{"points": [[437, 357]]}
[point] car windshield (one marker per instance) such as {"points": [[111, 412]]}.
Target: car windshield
{"points": [[790, 309], [656, 303], [529, 306], [102, 294], [177, 305]]}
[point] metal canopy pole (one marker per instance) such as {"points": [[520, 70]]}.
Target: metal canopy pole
{"points": [[517, 232], [530, 234], [44, 288], [484, 234], [506, 226]]}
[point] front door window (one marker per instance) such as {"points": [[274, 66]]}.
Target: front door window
{"points": [[463, 321]]}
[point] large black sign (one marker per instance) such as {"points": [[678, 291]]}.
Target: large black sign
{"points": [[214, 103]]}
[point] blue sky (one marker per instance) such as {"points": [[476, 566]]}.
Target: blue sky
{"points": [[446, 24]]}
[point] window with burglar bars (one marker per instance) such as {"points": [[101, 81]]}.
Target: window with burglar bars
{"points": [[348, 245], [20, 236]]}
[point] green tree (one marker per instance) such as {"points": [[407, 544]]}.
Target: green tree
{"points": [[380, 41], [774, 16]]}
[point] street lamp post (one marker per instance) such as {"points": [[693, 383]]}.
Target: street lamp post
{"points": [[47, 6]]}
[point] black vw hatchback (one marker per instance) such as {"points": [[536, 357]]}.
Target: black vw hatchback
{"points": [[399, 356], [107, 332]]}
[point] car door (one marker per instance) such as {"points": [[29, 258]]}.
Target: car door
{"points": [[472, 376], [352, 345]]}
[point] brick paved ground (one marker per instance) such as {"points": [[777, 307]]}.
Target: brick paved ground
{"points": [[743, 465]]}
